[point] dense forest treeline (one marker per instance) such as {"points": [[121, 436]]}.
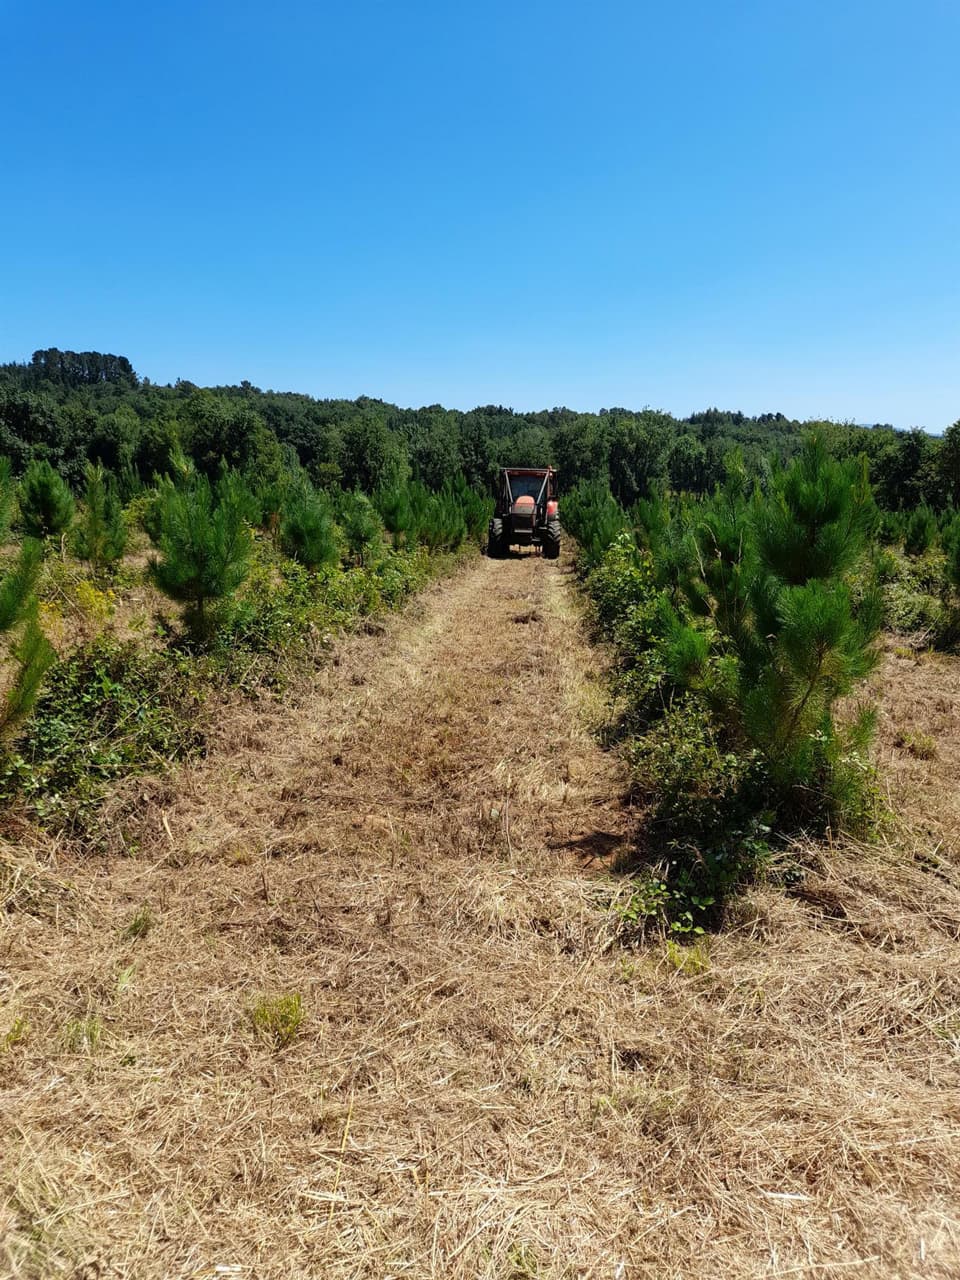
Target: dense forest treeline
{"points": [[71, 408]]}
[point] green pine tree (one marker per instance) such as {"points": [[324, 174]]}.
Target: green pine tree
{"points": [[101, 533], [205, 546], [393, 503], [46, 504], [919, 531], [29, 648], [360, 523], [308, 533], [8, 498], [791, 641]]}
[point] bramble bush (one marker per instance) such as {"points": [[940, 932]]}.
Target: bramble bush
{"points": [[108, 710]]}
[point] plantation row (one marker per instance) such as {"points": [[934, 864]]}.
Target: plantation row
{"points": [[103, 680], [742, 623]]}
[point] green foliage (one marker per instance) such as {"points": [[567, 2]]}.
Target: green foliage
{"points": [[595, 518], [101, 535], [8, 498], [278, 1019], [919, 593], [73, 408], [29, 648], [436, 520], [816, 520], [475, 509], [621, 585], [46, 504], [140, 925], [283, 602], [949, 463], [205, 546], [360, 523], [737, 634], [308, 533], [919, 531], [108, 710], [439, 520], [82, 1035], [951, 545], [687, 464], [393, 503]]}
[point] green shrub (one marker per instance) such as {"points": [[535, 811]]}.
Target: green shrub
{"points": [[205, 546], [438, 520], [101, 535], [621, 586], [791, 639], [393, 503], [46, 504], [282, 600], [733, 653], [308, 533], [29, 649], [8, 498], [594, 517], [919, 531], [361, 526], [108, 710]]}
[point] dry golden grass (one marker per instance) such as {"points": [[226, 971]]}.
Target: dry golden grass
{"points": [[920, 741], [483, 1084]]}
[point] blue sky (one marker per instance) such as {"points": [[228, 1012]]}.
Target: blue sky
{"points": [[750, 204]]}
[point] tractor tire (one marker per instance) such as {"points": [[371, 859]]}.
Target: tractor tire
{"points": [[495, 548], [551, 540]]}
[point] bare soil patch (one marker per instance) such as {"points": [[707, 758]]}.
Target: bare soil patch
{"points": [[483, 1084]]}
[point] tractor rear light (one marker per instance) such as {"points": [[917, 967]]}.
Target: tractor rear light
{"points": [[553, 508]]}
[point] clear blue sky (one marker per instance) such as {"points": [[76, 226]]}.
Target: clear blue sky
{"points": [[753, 204]]}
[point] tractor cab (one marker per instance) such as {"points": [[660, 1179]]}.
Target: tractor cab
{"points": [[527, 512]]}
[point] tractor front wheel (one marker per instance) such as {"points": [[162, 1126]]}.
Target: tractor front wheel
{"points": [[551, 540], [495, 547]]}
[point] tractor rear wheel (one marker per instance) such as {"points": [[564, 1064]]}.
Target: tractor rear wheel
{"points": [[551, 540], [495, 547]]}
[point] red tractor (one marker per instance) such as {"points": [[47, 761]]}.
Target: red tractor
{"points": [[527, 513]]}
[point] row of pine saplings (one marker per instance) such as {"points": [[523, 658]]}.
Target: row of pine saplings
{"points": [[744, 623], [204, 531]]}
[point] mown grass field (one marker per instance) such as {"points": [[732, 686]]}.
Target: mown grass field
{"points": [[484, 1077]]}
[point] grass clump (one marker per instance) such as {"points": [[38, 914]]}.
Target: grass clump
{"points": [[141, 924], [16, 1033], [277, 1019], [922, 746], [692, 961], [82, 1035]]}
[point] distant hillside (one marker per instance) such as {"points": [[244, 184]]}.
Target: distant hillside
{"points": [[70, 407]]}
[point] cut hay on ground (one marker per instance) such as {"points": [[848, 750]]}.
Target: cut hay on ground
{"points": [[484, 1083]]}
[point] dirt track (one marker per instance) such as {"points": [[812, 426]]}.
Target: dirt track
{"points": [[482, 1086]]}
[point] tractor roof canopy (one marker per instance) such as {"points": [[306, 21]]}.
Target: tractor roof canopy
{"points": [[539, 483]]}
